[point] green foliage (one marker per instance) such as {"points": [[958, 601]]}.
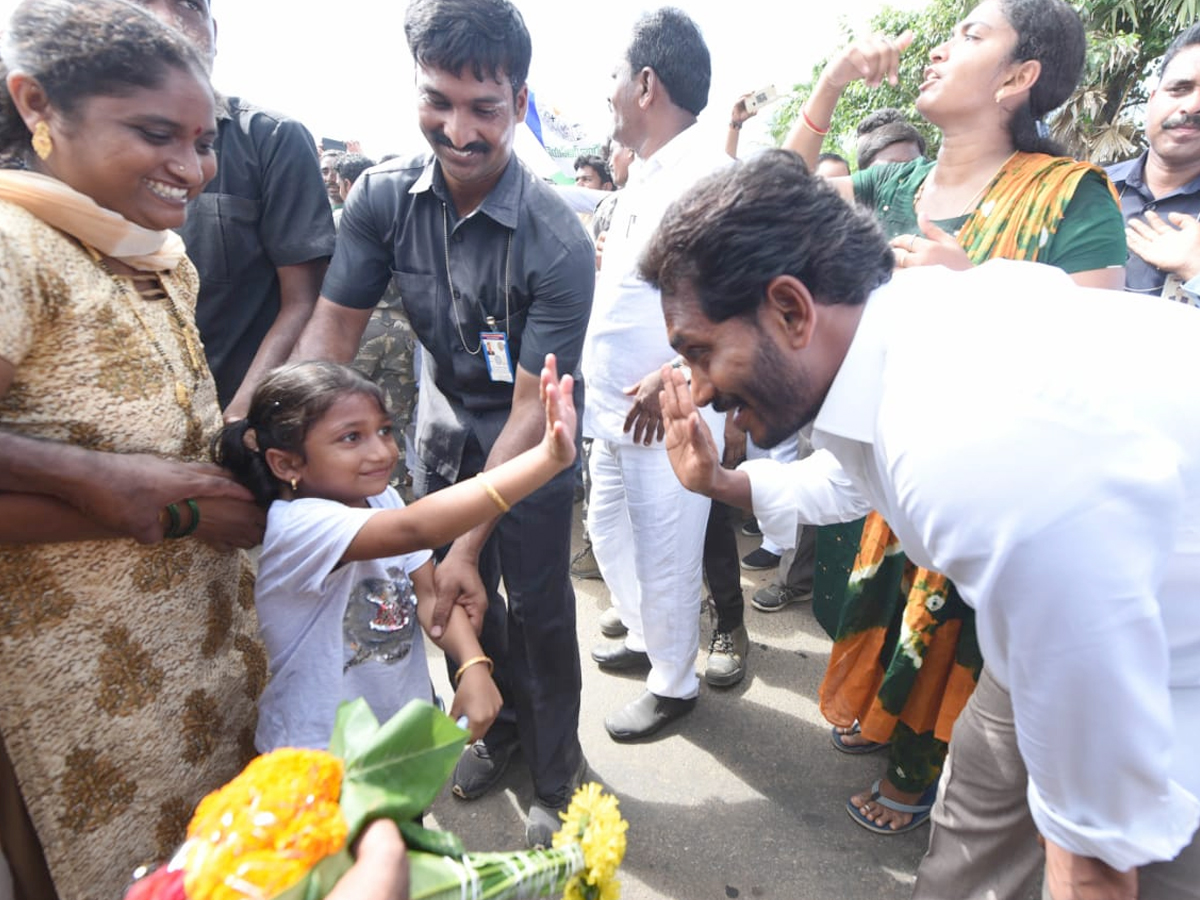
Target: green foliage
{"points": [[1101, 121]]}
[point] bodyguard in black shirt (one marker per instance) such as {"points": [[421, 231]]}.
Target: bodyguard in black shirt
{"points": [[494, 271]]}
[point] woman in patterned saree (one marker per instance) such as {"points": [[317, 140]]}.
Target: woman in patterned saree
{"points": [[905, 659], [129, 662]]}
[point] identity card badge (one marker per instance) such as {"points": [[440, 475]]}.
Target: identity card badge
{"points": [[1173, 290], [495, 351]]}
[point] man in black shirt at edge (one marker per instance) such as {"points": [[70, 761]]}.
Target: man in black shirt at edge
{"points": [[494, 271], [260, 234]]}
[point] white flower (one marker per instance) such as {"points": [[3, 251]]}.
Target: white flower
{"points": [[911, 645]]}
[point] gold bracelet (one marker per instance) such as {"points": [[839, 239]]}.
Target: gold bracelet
{"points": [[500, 502], [470, 662]]}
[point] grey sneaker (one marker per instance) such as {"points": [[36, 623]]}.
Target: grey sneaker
{"points": [[543, 820], [583, 564], [727, 652], [759, 559], [611, 624], [480, 767], [775, 597]]}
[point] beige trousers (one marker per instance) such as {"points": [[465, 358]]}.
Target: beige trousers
{"points": [[983, 843]]}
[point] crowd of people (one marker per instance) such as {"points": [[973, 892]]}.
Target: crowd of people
{"points": [[215, 336]]}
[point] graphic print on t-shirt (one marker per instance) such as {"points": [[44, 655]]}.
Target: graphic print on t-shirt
{"points": [[381, 619]]}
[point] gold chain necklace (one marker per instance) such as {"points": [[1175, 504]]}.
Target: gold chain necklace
{"points": [[154, 291], [491, 321], [975, 198]]}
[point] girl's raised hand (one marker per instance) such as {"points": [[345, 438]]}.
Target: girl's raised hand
{"points": [[872, 60], [559, 399]]}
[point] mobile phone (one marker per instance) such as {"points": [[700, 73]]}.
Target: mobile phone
{"points": [[761, 97], [332, 144]]}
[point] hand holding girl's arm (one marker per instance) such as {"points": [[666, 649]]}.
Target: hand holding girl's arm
{"points": [[476, 695]]}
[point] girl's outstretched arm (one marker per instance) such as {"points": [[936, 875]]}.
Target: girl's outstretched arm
{"points": [[442, 516]]}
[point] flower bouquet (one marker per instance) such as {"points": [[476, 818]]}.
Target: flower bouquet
{"points": [[282, 829]]}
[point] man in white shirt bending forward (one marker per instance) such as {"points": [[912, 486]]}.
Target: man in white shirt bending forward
{"points": [[1064, 503]]}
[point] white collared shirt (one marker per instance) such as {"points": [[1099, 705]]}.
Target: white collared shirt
{"points": [[626, 336], [1040, 444]]}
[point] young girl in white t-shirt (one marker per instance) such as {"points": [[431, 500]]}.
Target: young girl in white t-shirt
{"points": [[345, 573]]}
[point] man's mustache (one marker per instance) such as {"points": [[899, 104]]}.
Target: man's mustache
{"points": [[473, 147], [1183, 120], [724, 402]]}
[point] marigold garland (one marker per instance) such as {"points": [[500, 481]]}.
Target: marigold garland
{"points": [[280, 829], [594, 822], [263, 831]]}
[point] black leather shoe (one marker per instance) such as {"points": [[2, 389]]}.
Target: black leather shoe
{"points": [[646, 716], [617, 657]]}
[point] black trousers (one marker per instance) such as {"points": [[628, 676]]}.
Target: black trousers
{"points": [[721, 566], [531, 638]]}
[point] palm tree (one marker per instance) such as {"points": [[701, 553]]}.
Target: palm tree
{"points": [[1102, 120]]}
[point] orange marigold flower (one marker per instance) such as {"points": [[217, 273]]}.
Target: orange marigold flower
{"points": [[262, 832]]}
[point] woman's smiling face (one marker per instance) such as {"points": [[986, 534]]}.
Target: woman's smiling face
{"points": [[143, 154]]}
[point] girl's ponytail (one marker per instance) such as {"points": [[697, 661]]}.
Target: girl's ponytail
{"points": [[236, 448]]}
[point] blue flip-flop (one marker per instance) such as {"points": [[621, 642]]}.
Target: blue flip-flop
{"points": [[919, 810], [853, 749]]}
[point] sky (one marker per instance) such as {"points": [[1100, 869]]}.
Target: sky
{"points": [[342, 67]]}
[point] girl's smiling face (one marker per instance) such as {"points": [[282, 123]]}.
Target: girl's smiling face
{"points": [[349, 453]]}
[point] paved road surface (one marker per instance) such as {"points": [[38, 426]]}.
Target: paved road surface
{"points": [[743, 798]]}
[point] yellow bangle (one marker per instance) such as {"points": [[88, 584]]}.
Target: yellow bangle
{"points": [[470, 662], [500, 502]]}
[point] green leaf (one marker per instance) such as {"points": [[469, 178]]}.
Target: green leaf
{"points": [[439, 843], [517, 875], [354, 729], [432, 877], [320, 879], [397, 770]]}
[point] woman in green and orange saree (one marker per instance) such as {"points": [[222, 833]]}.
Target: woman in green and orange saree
{"points": [[905, 659]]}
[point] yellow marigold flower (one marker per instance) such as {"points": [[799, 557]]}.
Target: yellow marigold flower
{"points": [[594, 822], [262, 832]]}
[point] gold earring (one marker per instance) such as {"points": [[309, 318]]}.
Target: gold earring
{"points": [[42, 145], [295, 483]]}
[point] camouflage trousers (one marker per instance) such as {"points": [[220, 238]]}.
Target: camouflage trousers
{"points": [[387, 356]]}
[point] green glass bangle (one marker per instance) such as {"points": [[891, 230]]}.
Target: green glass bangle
{"points": [[173, 522], [195, 523]]}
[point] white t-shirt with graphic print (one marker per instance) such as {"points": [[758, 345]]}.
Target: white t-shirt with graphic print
{"points": [[332, 632]]}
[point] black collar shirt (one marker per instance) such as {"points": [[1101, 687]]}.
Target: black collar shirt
{"points": [[520, 264], [1136, 199]]}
